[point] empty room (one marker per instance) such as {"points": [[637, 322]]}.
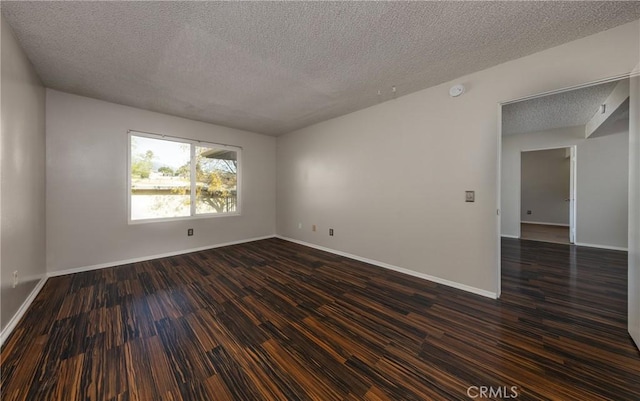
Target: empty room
{"points": [[257, 200]]}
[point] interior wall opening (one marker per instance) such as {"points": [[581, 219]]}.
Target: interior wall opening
{"points": [[546, 196], [590, 127]]}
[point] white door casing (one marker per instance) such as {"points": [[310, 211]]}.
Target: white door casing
{"points": [[572, 194]]}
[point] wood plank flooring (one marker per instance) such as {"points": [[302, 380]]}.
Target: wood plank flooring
{"points": [[544, 232], [273, 320]]}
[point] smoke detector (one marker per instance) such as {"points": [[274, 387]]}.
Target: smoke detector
{"points": [[456, 90]]}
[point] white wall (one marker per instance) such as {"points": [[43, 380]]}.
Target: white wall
{"points": [[390, 179], [545, 186], [601, 187], [602, 209], [87, 185], [22, 240], [634, 209]]}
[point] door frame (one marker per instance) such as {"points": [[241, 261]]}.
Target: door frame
{"points": [[572, 188], [573, 193], [633, 273]]}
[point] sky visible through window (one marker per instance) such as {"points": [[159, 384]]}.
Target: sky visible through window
{"points": [[172, 154]]}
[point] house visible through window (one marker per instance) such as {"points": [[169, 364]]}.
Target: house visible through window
{"points": [[178, 178]]}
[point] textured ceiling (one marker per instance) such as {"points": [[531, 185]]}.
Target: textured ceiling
{"points": [[565, 109], [273, 67]]}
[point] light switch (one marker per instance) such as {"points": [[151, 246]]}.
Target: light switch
{"points": [[470, 196]]}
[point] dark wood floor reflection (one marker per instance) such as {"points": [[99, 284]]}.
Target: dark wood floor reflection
{"points": [[274, 320]]}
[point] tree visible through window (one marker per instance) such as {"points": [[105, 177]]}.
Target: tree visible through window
{"points": [[171, 177], [216, 180]]}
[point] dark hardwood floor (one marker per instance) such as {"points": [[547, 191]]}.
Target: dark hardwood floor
{"points": [[274, 320]]}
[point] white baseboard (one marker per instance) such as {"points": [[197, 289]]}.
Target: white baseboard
{"points": [[613, 248], [434, 279], [543, 223], [21, 311], [509, 236], [150, 257]]}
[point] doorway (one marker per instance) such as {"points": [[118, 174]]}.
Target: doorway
{"points": [[593, 122], [548, 195], [601, 223]]}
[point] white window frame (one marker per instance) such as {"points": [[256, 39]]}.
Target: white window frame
{"points": [[193, 143]]}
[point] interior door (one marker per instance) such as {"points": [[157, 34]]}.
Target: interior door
{"points": [[572, 195], [634, 209]]}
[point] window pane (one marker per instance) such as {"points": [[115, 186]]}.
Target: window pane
{"points": [[216, 180], [160, 178]]}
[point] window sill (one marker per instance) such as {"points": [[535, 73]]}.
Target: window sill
{"points": [[185, 218]]}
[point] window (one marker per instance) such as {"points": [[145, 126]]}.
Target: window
{"points": [[173, 178]]}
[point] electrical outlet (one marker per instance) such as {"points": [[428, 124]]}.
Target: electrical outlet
{"points": [[190, 232], [331, 232], [15, 279], [528, 211], [470, 196], [299, 226], [313, 227]]}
